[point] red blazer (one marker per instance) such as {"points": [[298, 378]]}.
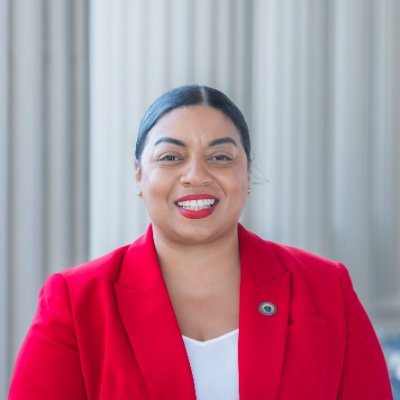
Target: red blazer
{"points": [[107, 330]]}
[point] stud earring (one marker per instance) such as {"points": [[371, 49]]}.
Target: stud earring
{"points": [[248, 190], [140, 193]]}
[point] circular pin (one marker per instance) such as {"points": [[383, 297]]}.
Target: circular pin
{"points": [[267, 308]]}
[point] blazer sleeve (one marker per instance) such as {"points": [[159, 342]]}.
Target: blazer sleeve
{"points": [[48, 365], [364, 374]]}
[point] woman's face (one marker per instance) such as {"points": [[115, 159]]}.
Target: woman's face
{"points": [[194, 175]]}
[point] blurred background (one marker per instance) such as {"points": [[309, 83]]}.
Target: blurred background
{"points": [[319, 84]]}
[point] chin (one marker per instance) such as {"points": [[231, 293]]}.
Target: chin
{"points": [[201, 233], [193, 234]]}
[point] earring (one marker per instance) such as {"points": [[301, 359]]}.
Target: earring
{"points": [[248, 190], [140, 193]]}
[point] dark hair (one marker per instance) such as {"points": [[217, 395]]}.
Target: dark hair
{"points": [[190, 95]]}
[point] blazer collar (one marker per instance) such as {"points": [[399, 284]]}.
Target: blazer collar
{"points": [[148, 316]]}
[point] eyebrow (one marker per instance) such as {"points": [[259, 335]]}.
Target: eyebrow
{"points": [[223, 140], [167, 139], [178, 142]]}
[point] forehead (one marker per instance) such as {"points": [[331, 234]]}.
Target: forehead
{"points": [[194, 123]]}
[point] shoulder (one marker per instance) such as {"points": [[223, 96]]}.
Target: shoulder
{"points": [[304, 265], [292, 259], [295, 258], [88, 279], [106, 267]]}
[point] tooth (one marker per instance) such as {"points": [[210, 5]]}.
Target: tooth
{"points": [[196, 205]]}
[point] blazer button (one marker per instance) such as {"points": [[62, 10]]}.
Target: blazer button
{"points": [[267, 308]]}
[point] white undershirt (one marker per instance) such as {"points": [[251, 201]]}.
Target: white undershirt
{"points": [[214, 365]]}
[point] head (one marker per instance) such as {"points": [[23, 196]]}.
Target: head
{"points": [[193, 164]]}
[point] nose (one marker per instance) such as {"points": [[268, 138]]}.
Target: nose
{"points": [[195, 174]]}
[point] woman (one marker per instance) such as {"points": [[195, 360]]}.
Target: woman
{"points": [[199, 306]]}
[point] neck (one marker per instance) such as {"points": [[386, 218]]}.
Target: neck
{"points": [[199, 269]]}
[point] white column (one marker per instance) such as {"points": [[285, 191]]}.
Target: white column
{"points": [[66, 146], [351, 142], [385, 161], [4, 198], [289, 123], [118, 91], [60, 160], [26, 167]]}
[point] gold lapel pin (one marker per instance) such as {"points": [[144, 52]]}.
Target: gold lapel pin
{"points": [[267, 308]]}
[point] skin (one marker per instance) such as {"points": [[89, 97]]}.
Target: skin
{"points": [[199, 258]]}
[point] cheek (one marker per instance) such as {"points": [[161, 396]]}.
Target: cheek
{"points": [[237, 186], [241, 181], [156, 182]]}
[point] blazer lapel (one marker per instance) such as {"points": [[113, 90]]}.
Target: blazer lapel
{"points": [[148, 316], [262, 338]]}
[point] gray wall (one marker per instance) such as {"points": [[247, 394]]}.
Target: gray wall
{"points": [[318, 81]]}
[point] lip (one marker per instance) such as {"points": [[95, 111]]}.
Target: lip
{"points": [[200, 214]]}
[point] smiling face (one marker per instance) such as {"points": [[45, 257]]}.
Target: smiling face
{"points": [[194, 175]]}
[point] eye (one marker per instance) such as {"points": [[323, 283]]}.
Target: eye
{"points": [[220, 159], [169, 157]]}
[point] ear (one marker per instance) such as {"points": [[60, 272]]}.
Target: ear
{"points": [[138, 173]]}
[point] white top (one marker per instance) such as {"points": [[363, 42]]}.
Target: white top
{"points": [[214, 365]]}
